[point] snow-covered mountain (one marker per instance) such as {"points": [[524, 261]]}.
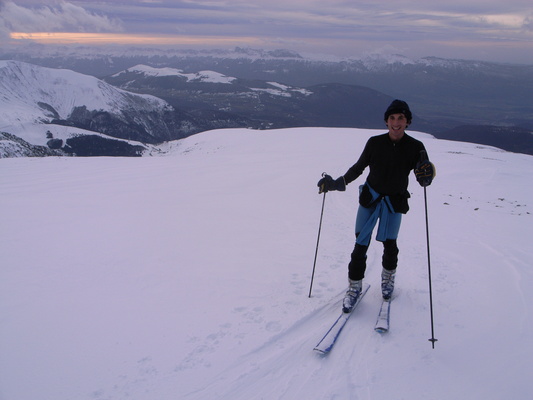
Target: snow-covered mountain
{"points": [[187, 276], [108, 55], [141, 72], [205, 77], [39, 94], [448, 92], [269, 104], [484, 103], [236, 102], [38, 102], [202, 76]]}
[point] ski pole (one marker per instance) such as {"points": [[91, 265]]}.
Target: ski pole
{"points": [[432, 340], [317, 241]]}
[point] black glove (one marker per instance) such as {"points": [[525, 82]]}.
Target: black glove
{"points": [[327, 183], [425, 172]]}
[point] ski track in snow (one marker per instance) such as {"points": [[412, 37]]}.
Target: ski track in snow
{"points": [[186, 276]]}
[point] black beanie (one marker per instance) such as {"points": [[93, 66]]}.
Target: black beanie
{"points": [[399, 107]]}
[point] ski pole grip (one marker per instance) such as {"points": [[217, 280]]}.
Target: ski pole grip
{"points": [[321, 190]]}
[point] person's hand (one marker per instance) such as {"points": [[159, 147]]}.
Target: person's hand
{"points": [[327, 183], [425, 172]]}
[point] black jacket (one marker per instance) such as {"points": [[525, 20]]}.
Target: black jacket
{"points": [[390, 164]]}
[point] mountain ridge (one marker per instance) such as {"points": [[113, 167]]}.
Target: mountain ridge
{"points": [[178, 102], [37, 100]]}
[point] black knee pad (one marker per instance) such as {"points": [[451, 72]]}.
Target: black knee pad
{"points": [[357, 266], [390, 254]]}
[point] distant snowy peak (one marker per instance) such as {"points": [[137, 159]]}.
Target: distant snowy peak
{"points": [[202, 76], [379, 60], [32, 93], [384, 62], [37, 102]]}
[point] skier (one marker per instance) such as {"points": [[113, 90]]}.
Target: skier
{"points": [[390, 158]]}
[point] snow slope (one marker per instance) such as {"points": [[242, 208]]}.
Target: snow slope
{"points": [[186, 276]]}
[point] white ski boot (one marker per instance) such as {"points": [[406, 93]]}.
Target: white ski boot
{"points": [[352, 294], [387, 283]]}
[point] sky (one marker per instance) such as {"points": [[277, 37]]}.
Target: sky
{"points": [[491, 30]]}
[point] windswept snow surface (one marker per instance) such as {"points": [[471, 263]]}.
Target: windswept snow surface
{"points": [[186, 276]]}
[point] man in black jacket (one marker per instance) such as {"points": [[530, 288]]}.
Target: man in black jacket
{"points": [[384, 196]]}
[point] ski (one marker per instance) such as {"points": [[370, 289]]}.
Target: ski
{"points": [[326, 343], [382, 324]]}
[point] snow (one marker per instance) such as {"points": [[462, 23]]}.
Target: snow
{"points": [[31, 94], [186, 276], [282, 90], [37, 134], [202, 76]]}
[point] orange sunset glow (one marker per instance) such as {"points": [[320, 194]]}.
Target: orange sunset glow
{"points": [[119, 38]]}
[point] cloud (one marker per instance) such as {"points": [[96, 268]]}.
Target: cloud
{"points": [[61, 17], [528, 24], [341, 27]]}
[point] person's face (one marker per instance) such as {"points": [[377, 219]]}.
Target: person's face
{"points": [[397, 123]]}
